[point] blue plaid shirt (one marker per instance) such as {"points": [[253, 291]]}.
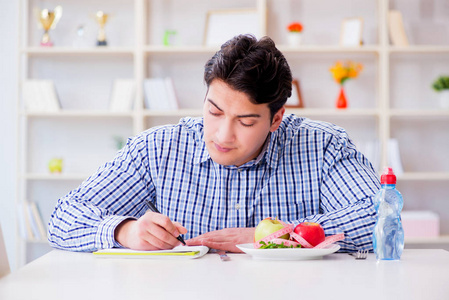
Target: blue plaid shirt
{"points": [[308, 171]]}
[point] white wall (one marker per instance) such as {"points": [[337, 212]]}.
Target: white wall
{"points": [[8, 128]]}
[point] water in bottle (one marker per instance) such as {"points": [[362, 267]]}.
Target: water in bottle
{"points": [[388, 235]]}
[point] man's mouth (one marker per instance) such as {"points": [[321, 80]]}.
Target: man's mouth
{"points": [[222, 149]]}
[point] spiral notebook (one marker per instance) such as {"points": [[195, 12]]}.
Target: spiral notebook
{"points": [[180, 252]]}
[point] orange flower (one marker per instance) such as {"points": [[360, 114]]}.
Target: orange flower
{"points": [[344, 71], [295, 27]]}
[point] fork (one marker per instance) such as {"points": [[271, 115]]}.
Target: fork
{"points": [[361, 254], [222, 254]]}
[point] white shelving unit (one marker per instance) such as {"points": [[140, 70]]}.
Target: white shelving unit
{"points": [[385, 101]]}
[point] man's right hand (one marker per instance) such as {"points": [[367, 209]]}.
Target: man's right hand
{"points": [[152, 231]]}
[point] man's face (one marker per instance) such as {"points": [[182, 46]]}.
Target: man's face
{"points": [[234, 128]]}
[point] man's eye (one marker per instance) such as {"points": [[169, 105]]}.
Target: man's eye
{"points": [[246, 125], [213, 113]]}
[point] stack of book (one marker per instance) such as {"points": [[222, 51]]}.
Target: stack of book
{"points": [[160, 94], [40, 96], [30, 222], [123, 95]]}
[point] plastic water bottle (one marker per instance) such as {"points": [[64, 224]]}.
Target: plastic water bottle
{"points": [[388, 235]]}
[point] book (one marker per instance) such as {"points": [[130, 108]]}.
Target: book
{"points": [[40, 96], [180, 252], [30, 96], [48, 94], [160, 94], [396, 28], [21, 222], [122, 95], [24, 218], [171, 94], [32, 221], [38, 220], [31, 226]]}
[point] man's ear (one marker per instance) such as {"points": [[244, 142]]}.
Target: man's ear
{"points": [[277, 119]]}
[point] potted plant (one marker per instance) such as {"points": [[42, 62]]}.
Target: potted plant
{"points": [[441, 85], [294, 33], [341, 72]]}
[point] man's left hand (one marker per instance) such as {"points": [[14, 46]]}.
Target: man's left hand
{"points": [[224, 239]]}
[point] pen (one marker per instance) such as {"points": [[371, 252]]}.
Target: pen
{"points": [[154, 209]]}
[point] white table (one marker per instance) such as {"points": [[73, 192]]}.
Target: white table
{"points": [[421, 274]]}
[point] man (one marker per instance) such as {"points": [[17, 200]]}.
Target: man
{"points": [[214, 178]]}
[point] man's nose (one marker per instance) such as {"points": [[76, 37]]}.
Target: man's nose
{"points": [[226, 132]]}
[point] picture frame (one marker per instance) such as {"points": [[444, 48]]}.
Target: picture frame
{"points": [[222, 25], [351, 32], [295, 100]]}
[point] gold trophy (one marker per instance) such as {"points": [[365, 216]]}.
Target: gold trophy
{"points": [[101, 18], [48, 19]]}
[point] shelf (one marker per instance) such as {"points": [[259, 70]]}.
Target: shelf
{"points": [[173, 113], [35, 51], [198, 112], [209, 49], [55, 177], [443, 239], [391, 75], [298, 111], [155, 49], [79, 113], [283, 48], [328, 49], [423, 176], [334, 112], [180, 49], [420, 49], [419, 113]]}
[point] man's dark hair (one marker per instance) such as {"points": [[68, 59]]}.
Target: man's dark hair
{"points": [[254, 67]]}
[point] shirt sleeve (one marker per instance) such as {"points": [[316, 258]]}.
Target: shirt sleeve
{"points": [[85, 219], [347, 190]]}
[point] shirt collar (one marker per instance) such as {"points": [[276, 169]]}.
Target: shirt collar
{"points": [[201, 154], [273, 150]]}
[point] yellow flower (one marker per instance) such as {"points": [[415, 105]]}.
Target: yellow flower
{"points": [[344, 71]]}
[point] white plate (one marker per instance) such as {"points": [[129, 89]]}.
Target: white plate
{"points": [[288, 253]]}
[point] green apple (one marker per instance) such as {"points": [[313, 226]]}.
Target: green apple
{"points": [[55, 165], [268, 226]]}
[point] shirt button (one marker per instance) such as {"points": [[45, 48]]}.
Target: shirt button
{"points": [[240, 170], [237, 206]]}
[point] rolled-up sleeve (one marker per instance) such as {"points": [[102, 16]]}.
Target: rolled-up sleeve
{"points": [[86, 218], [348, 186]]}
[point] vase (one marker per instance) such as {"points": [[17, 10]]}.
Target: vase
{"points": [[444, 99], [342, 102], [294, 38]]}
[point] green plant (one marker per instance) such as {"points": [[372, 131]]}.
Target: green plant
{"points": [[272, 245], [441, 83], [119, 142]]}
